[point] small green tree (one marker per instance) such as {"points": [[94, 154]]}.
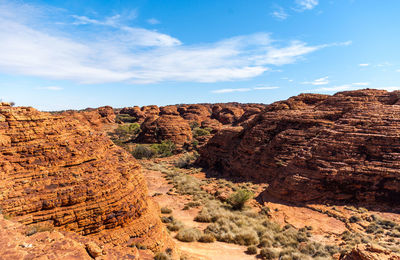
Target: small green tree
{"points": [[239, 198]]}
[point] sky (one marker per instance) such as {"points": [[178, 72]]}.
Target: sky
{"points": [[57, 55]]}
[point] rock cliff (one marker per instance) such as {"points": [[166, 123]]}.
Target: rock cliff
{"points": [[58, 171], [315, 147]]}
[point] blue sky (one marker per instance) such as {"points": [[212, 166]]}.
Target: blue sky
{"points": [[76, 54]]}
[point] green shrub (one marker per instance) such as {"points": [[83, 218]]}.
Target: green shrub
{"points": [[239, 198], [188, 235], [199, 132], [125, 118], [251, 250], [193, 125], [142, 151], [165, 149]]}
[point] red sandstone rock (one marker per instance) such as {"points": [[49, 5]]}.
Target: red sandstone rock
{"points": [[95, 118], [314, 147], [15, 244], [57, 170], [370, 252], [166, 127]]}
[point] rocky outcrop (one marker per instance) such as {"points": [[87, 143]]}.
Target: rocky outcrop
{"points": [[370, 252], [20, 242], [141, 113], [97, 119], [317, 147], [58, 171], [165, 127]]}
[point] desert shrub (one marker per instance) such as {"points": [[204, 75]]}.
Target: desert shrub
{"points": [[207, 238], [251, 250], [185, 161], [162, 256], [354, 219], [247, 238], [197, 131], [188, 235], [204, 216], [239, 198], [265, 210], [191, 204], [165, 210], [142, 151], [193, 125], [175, 225], [127, 131], [269, 253], [125, 118], [164, 149], [168, 219]]}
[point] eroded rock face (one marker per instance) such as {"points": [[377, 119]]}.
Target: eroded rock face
{"points": [[96, 118], [165, 127], [314, 147], [15, 244], [56, 170], [370, 252]]}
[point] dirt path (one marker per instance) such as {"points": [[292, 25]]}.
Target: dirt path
{"points": [[196, 250]]}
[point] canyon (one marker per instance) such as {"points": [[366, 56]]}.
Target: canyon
{"points": [[331, 162]]}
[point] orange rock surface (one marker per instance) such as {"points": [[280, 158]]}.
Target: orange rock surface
{"points": [[314, 147], [56, 170]]}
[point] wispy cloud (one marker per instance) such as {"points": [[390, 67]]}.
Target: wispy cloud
{"points": [[53, 88], [230, 90], [306, 4], [75, 50], [363, 64], [317, 82], [352, 86], [265, 88], [153, 21], [280, 14]]}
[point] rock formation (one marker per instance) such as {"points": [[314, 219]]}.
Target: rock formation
{"points": [[165, 127], [20, 242], [370, 252], [315, 147], [97, 119], [58, 171]]}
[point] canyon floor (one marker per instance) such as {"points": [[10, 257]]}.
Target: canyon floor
{"points": [[326, 224]]}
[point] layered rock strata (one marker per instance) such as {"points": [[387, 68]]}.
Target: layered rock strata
{"points": [[56, 170], [315, 147]]}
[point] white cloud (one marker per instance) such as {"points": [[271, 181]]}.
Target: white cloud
{"points": [[306, 4], [352, 86], [398, 70], [317, 82], [153, 21], [265, 88], [336, 88], [99, 51], [230, 90], [280, 14], [390, 88], [363, 64], [54, 88]]}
